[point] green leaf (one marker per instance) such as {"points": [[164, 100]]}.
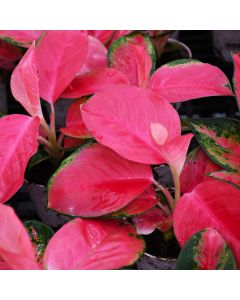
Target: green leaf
{"points": [[220, 139], [37, 158], [206, 250], [40, 234]]}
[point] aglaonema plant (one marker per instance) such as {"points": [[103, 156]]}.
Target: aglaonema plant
{"points": [[122, 123]]}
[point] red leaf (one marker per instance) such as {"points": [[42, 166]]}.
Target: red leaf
{"points": [[229, 177], [93, 245], [17, 144], [8, 55], [90, 83], [195, 168], [24, 83], [60, 55], [16, 249], [139, 205], [184, 80], [124, 124], [210, 204], [151, 220], [22, 37], [96, 181], [74, 124], [103, 35], [96, 56], [72, 142], [236, 76]]}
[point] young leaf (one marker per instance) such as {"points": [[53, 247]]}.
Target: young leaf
{"points": [[151, 220], [142, 203], [187, 79], [15, 246], [24, 83], [206, 250], [18, 143], [124, 124], [96, 56], [93, 245], [133, 55], [230, 177], [90, 83], [236, 76], [74, 123], [95, 181], [22, 38], [210, 204], [40, 234], [220, 139], [60, 55]]}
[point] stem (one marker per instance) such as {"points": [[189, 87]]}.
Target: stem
{"points": [[176, 182], [166, 194], [52, 122], [165, 209], [60, 139], [44, 142]]}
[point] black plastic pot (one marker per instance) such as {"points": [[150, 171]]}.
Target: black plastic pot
{"points": [[38, 195]]}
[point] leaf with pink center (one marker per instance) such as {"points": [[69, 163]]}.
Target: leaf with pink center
{"points": [[24, 83], [206, 250], [93, 82], [133, 55], [124, 124], [230, 177], [60, 56], [210, 204], [236, 76], [96, 56], [96, 181], [75, 126], [16, 250], [93, 245], [187, 79], [22, 38], [220, 139], [17, 144], [153, 219], [142, 203]]}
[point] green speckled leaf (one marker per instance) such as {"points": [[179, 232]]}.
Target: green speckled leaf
{"points": [[220, 139], [206, 250], [40, 234]]}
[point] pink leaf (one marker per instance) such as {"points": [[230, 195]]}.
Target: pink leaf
{"points": [[16, 249], [229, 177], [124, 124], [93, 245], [96, 56], [74, 124], [151, 220], [236, 76], [103, 35], [22, 37], [90, 83], [24, 83], [139, 205], [17, 144], [210, 204], [195, 168], [184, 80], [96, 181], [60, 55]]}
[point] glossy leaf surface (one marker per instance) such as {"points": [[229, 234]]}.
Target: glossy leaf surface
{"points": [[17, 144], [60, 55], [220, 139], [206, 250], [90, 83], [139, 205], [24, 83], [93, 245], [95, 181], [187, 79], [210, 204], [15, 246], [151, 220]]}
